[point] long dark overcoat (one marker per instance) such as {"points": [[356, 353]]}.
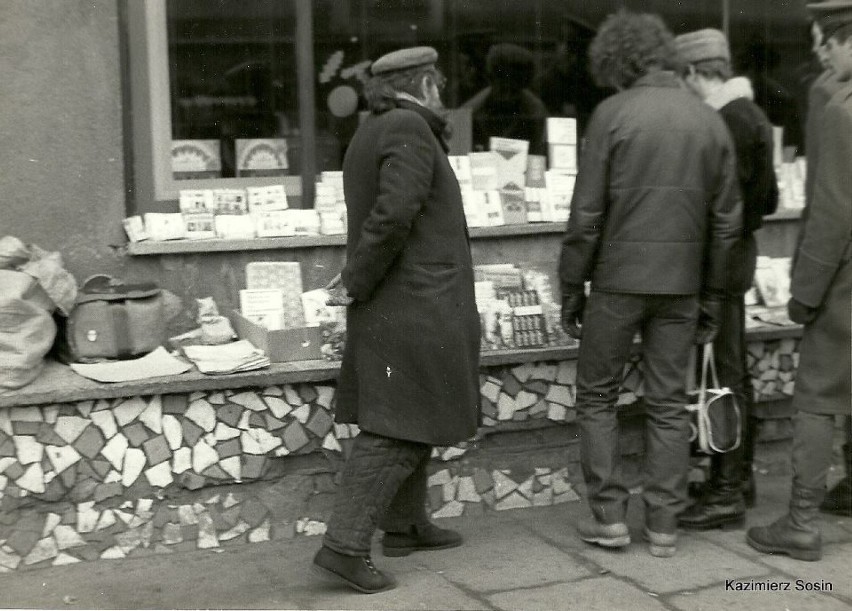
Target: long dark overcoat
{"points": [[411, 364], [822, 273]]}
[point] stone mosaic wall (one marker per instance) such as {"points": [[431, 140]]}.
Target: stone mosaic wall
{"points": [[113, 465]]}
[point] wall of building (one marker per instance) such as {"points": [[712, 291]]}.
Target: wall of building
{"points": [[62, 182]]}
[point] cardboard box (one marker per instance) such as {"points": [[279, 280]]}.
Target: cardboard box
{"points": [[301, 344]]}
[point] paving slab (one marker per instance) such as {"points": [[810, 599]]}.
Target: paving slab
{"points": [[503, 557], [698, 563], [717, 597], [833, 570], [596, 594]]}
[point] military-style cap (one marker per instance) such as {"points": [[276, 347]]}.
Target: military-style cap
{"points": [[404, 59], [831, 15], [703, 45]]}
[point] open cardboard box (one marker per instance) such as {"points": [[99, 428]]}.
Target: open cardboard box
{"points": [[300, 344]]}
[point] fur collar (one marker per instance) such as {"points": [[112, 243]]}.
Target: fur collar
{"points": [[732, 89]]}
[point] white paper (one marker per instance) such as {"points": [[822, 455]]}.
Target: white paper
{"points": [[155, 364]]}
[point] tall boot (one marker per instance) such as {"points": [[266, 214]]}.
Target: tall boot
{"points": [[838, 501], [722, 504], [796, 534]]}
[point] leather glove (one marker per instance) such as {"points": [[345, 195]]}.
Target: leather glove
{"points": [[572, 312], [337, 293], [709, 320], [799, 312]]}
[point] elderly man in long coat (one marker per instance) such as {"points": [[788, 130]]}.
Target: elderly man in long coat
{"points": [[821, 288], [410, 373]]}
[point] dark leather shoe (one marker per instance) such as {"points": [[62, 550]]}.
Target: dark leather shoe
{"points": [[705, 515], [700, 489], [357, 572], [418, 539], [838, 500]]}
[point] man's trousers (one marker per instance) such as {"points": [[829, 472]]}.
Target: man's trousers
{"points": [[667, 325]]}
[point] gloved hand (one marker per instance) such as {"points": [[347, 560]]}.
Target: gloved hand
{"points": [[337, 293], [709, 320], [799, 312], [573, 303]]}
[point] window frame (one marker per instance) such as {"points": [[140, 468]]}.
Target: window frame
{"points": [[154, 189]]}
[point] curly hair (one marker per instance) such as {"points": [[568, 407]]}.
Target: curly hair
{"points": [[627, 46], [380, 91]]}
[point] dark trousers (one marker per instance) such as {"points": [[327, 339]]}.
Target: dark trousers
{"points": [[728, 470], [383, 484], [667, 324], [812, 449]]}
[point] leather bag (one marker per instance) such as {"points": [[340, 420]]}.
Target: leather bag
{"points": [[716, 425], [113, 320]]}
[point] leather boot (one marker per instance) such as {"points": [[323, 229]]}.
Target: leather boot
{"points": [[715, 510], [722, 505], [422, 537], [795, 534], [357, 572]]}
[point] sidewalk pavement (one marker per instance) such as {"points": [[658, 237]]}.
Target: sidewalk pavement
{"points": [[512, 560]]}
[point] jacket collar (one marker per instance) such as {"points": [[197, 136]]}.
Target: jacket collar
{"points": [[732, 89], [659, 78], [437, 124]]}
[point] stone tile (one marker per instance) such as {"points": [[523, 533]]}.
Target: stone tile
{"points": [[128, 410], [22, 541], [157, 450], [249, 400], [215, 472], [307, 392], [136, 434], [253, 512], [203, 456], [229, 448], [47, 436], [7, 448], [26, 428], [106, 422], [32, 479], [319, 423], [292, 396], [28, 450], [172, 431], [252, 466], [160, 475], [505, 407], [191, 432], [491, 564], [294, 437], [70, 428], [232, 467], [152, 416], [278, 407], [511, 386], [174, 404], [202, 413], [302, 413], [107, 491], [597, 594], [134, 463], [89, 443], [45, 549], [182, 460]]}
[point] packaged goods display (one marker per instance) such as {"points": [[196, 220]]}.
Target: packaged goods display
{"points": [[196, 159], [261, 157]]}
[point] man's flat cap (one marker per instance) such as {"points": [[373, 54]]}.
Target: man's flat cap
{"points": [[703, 45], [404, 59], [831, 14]]}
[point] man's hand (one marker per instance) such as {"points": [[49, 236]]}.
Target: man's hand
{"points": [[709, 320], [337, 295], [573, 303], [799, 312]]}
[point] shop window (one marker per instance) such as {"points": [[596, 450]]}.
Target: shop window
{"points": [[215, 97]]}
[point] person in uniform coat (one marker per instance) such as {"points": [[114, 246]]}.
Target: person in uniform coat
{"points": [[654, 216], [707, 72], [821, 288], [838, 500], [410, 372]]}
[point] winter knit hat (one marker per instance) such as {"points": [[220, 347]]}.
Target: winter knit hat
{"points": [[703, 45]]}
